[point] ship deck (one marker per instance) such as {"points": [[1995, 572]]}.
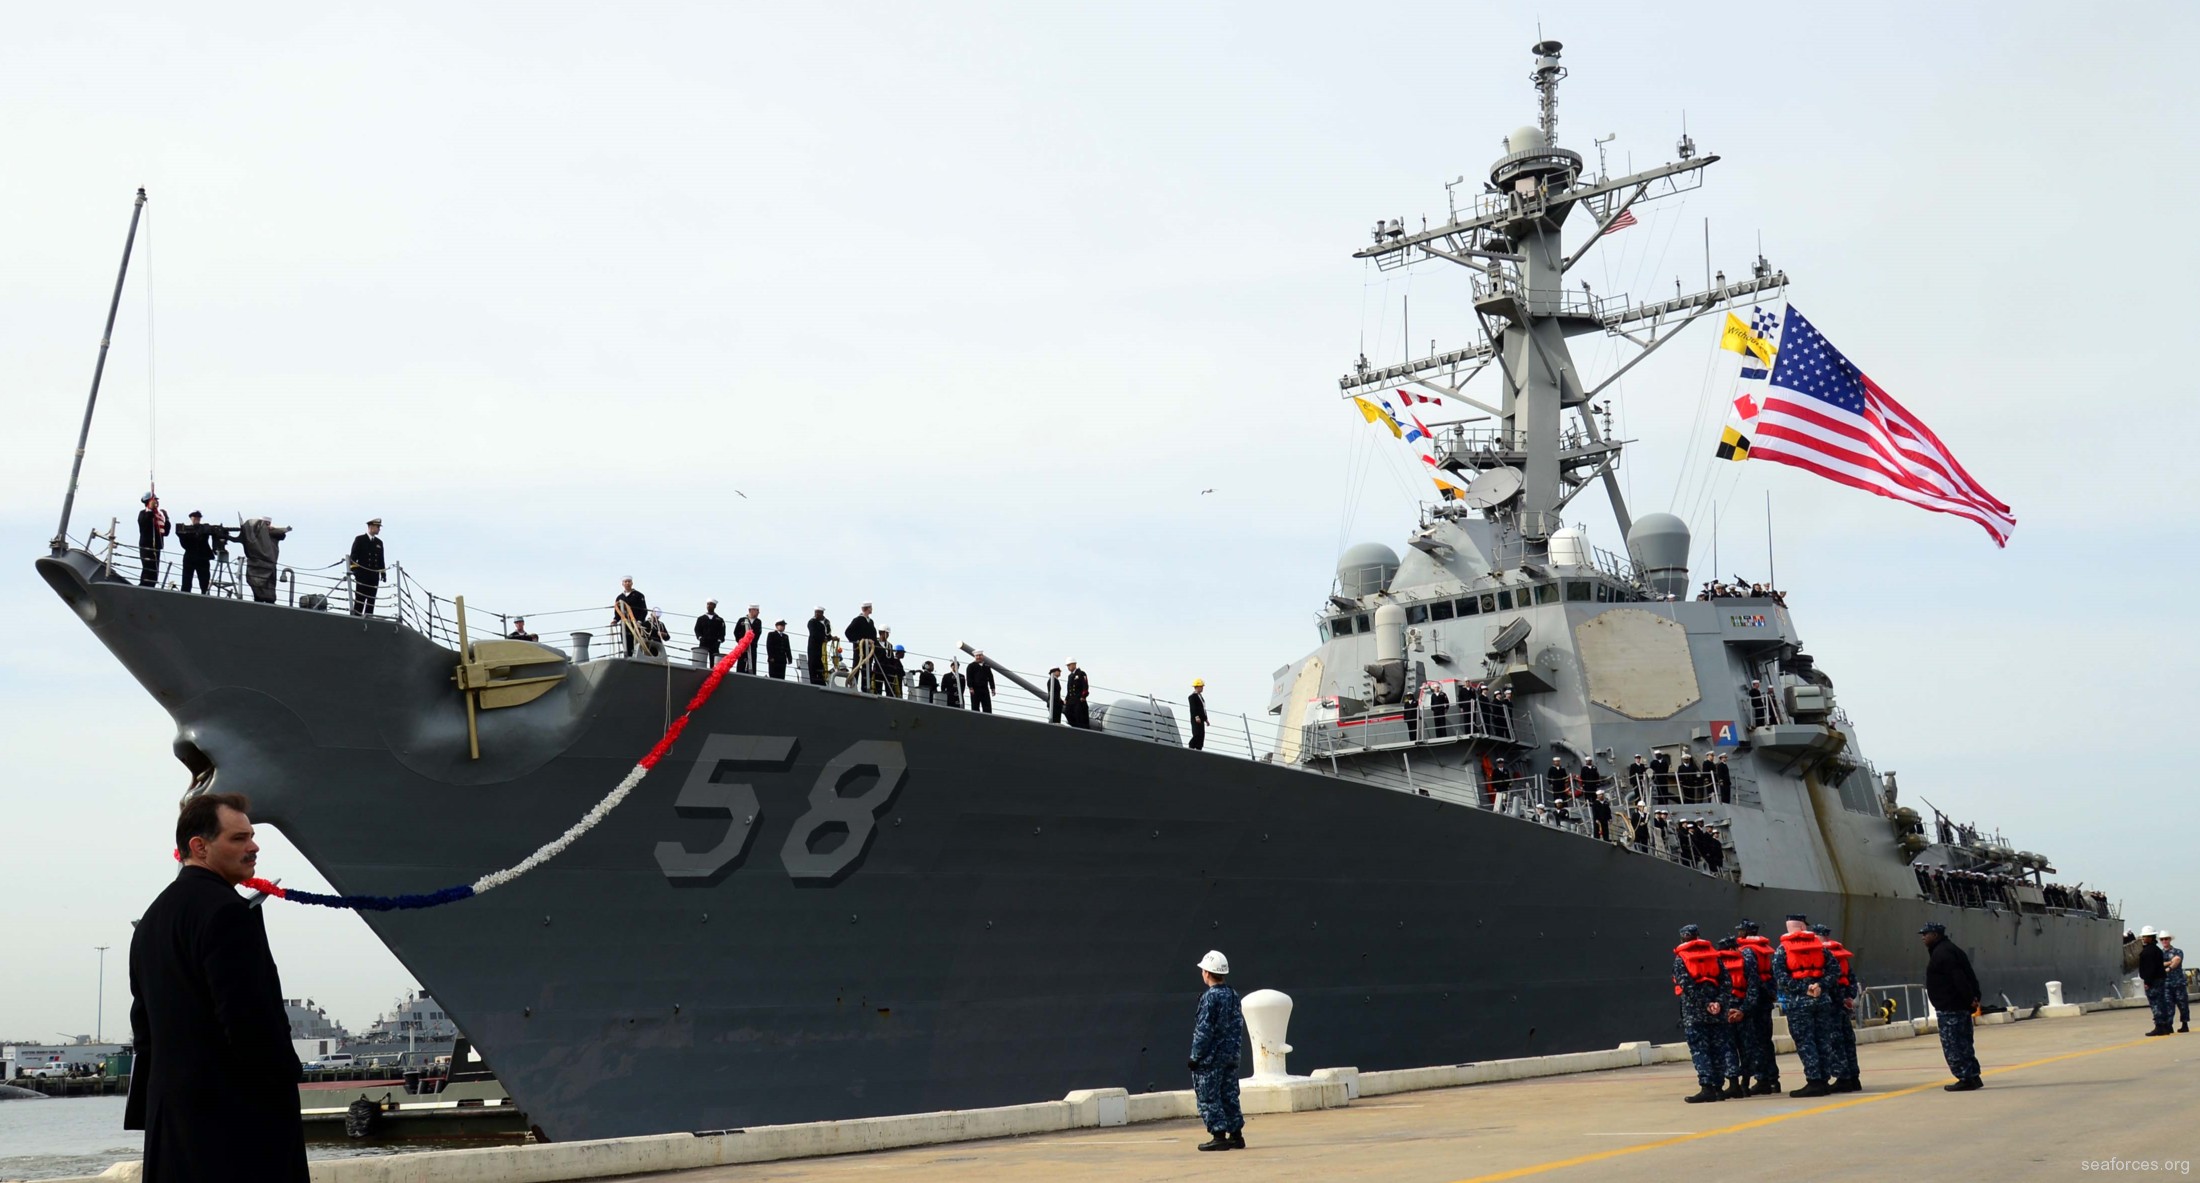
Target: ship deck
{"points": [[2059, 1094]]}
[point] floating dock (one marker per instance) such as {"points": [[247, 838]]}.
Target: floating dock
{"points": [[2078, 1087]]}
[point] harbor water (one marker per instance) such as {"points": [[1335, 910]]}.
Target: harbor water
{"points": [[63, 1136]]}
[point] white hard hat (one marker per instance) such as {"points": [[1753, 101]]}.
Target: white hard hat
{"points": [[1215, 963], [2148, 931]]}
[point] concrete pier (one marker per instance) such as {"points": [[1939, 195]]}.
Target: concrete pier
{"points": [[2060, 1093]]}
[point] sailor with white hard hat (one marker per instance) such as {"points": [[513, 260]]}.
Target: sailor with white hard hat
{"points": [[1218, 1039]]}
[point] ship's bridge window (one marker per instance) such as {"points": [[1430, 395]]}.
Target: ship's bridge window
{"points": [[1467, 606], [1416, 614], [1504, 600], [1341, 627], [1359, 623], [1546, 593], [1578, 592], [1440, 610]]}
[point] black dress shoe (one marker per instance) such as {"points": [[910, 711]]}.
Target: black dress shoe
{"points": [[1813, 1088], [1216, 1142], [1965, 1085], [1708, 1092], [1735, 1089], [1848, 1084], [1768, 1087]]}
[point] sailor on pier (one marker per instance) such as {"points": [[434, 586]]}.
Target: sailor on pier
{"points": [[1699, 979], [1804, 972], [1218, 1039], [1843, 1028]]}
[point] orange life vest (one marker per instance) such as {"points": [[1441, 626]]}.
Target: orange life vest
{"points": [[1737, 979], [1763, 945], [1806, 955], [1700, 958], [1841, 955]]}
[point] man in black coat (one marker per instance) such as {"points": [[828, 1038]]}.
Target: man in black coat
{"points": [[778, 650], [1722, 779], [710, 632], [366, 567], [821, 634], [1661, 778], [980, 678], [1198, 703], [1077, 698], [1954, 991], [197, 539], [216, 1083], [951, 685], [152, 529], [1054, 695], [752, 623]]}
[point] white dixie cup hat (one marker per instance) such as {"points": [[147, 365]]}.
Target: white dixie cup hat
{"points": [[1215, 963]]}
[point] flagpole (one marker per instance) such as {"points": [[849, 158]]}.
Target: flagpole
{"points": [[106, 336], [1772, 572]]}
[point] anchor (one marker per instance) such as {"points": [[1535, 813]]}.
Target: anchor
{"points": [[486, 676]]}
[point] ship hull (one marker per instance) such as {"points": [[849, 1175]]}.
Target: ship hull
{"points": [[1020, 917]]}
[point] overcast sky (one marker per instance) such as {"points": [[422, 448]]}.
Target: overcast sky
{"points": [[971, 302]]}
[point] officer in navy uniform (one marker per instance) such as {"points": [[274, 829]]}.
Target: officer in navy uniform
{"points": [[1954, 992], [1759, 1057], [366, 566], [1077, 698], [710, 632], [980, 680], [197, 539], [1439, 709], [1845, 1070], [1700, 980], [1742, 990], [747, 626], [1218, 1039], [637, 609], [821, 634], [1054, 695], [1799, 969], [778, 650], [2173, 983], [1198, 704], [862, 634]]}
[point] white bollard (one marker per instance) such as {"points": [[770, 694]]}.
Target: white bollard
{"points": [[2054, 994], [1267, 1018]]}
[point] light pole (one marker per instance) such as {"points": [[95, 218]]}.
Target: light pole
{"points": [[99, 1025]]}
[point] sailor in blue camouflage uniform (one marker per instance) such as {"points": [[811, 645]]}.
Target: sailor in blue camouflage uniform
{"points": [[1758, 1055], [1218, 1038], [1740, 966], [2175, 997], [1800, 971], [1700, 980], [1846, 1071]]}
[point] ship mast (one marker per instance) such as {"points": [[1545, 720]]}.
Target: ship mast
{"points": [[1511, 239]]}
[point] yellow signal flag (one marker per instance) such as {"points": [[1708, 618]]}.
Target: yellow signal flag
{"points": [[1738, 338], [1448, 491], [1375, 414], [1733, 445]]}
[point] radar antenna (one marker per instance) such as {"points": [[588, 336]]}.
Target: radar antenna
{"points": [[1511, 241]]}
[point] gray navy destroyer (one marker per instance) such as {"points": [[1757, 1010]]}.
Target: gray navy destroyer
{"points": [[828, 904]]}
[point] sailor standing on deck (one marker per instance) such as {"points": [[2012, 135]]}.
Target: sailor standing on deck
{"points": [[366, 566], [821, 634], [1800, 967], [1759, 1058], [2173, 983], [951, 686], [1218, 1039], [197, 539], [637, 611], [1845, 1068], [1198, 703], [1954, 992], [710, 632], [1077, 698], [778, 650], [1699, 979], [981, 683], [1054, 695], [152, 528], [750, 625], [862, 633]]}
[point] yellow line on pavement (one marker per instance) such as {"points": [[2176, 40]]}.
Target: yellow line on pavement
{"points": [[1775, 1119]]}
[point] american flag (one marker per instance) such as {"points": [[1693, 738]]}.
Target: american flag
{"points": [[1625, 219], [1822, 415]]}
